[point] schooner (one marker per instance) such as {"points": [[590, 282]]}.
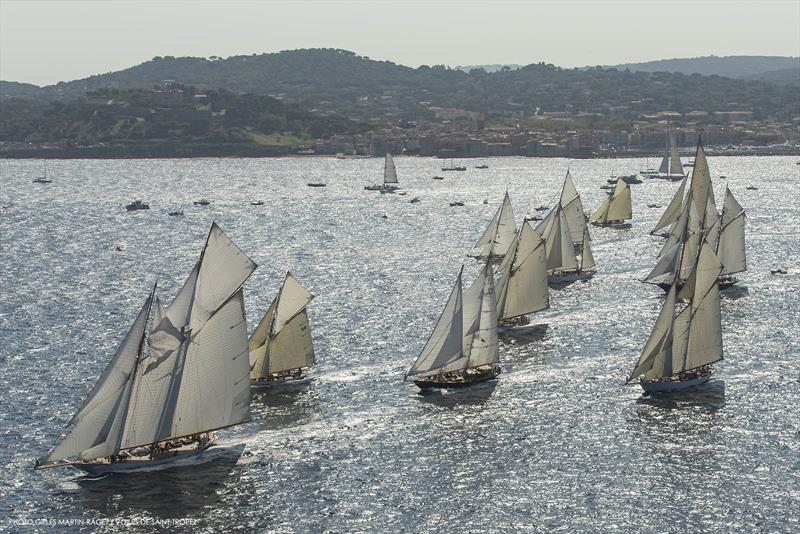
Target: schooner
{"points": [[685, 342], [281, 348], [522, 287], [616, 208], [498, 236], [698, 222], [463, 347], [389, 177], [563, 229], [180, 373]]}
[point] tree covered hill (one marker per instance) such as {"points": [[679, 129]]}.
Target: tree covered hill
{"points": [[342, 82], [751, 67], [169, 114]]}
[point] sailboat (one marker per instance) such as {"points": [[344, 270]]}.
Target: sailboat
{"points": [[281, 348], [389, 177], [44, 179], [463, 347], [498, 236], [454, 167], [180, 373], [569, 256], [730, 242], [685, 342], [616, 208], [699, 222], [671, 167], [522, 286]]}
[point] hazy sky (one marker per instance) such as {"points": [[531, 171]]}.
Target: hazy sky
{"points": [[44, 42]]}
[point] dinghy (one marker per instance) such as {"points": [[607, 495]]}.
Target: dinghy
{"points": [[616, 208], [389, 177], [281, 348], [179, 375], [463, 348]]}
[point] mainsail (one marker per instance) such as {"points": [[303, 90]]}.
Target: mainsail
{"points": [[498, 236], [675, 165], [282, 340], [522, 288], [570, 203], [389, 171], [190, 375]]}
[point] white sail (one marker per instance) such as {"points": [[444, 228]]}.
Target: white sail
{"points": [[484, 348], [664, 271], [571, 205], [731, 249], [705, 330], [445, 343], [152, 382], [498, 235], [178, 310], [282, 340], [664, 167], [587, 258], [701, 183], [673, 210], [600, 215], [522, 288], [658, 348], [675, 166], [619, 208], [96, 424], [292, 299], [389, 171], [214, 384], [568, 259]]}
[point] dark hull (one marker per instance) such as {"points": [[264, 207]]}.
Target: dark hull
{"points": [[468, 380], [723, 283]]}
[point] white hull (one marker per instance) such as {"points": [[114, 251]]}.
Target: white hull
{"points": [[666, 387]]}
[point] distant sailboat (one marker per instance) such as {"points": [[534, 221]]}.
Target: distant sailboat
{"points": [[389, 177], [163, 394], [671, 167], [463, 347], [616, 208], [563, 229], [685, 342], [281, 348], [497, 238], [44, 179], [522, 287]]}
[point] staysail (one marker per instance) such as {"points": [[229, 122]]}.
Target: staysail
{"points": [[673, 210], [731, 248]]}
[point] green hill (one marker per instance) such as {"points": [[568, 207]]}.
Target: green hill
{"points": [[338, 81], [750, 67]]}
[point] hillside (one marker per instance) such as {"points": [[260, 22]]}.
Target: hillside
{"points": [[338, 81], [729, 66], [784, 76], [169, 120]]}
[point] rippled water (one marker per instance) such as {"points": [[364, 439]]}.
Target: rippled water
{"points": [[558, 443]]}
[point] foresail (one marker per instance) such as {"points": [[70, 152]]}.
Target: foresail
{"points": [[664, 167], [572, 207], [658, 348], [587, 258], [96, 425], [600, 215], [445, 342], [497, 237], [731, 248], [673, 210], [619, 207], [293, 347]]}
